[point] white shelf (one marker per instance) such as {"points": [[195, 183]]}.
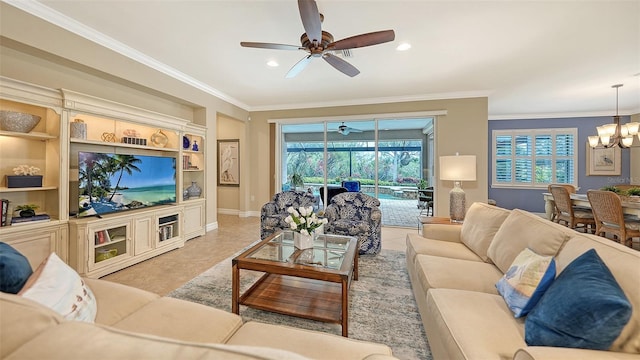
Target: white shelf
{"points": [[122, 145], [4, 189], [30, 135]]}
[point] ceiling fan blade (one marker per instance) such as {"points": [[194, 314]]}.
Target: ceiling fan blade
{"points": [[310, 19], [368, 39], [298, 67], [270, 46], [341, 65]]}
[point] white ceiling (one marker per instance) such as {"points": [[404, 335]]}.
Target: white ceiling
{"points": [[531, 58]]}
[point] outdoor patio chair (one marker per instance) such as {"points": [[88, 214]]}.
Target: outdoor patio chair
{"points": [[273, 213], [351, 185], [356, 214]]}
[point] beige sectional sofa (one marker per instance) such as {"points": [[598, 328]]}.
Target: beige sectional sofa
{"points": [[135, 324], [454, 270]]}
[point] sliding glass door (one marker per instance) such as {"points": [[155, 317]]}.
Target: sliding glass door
{"points": [[385, 158]]}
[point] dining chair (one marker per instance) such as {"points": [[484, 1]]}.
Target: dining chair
{"points": [[607, 210], [569, 215], [570, 188]]}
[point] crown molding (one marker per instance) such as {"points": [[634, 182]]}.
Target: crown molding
{"points": [[380, 100], [54, 17], [535, 116]]}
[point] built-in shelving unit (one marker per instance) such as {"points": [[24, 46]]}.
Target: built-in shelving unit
{"points": [[96, 246], [43, 148]]}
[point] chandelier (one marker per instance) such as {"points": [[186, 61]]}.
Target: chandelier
{"points": [[610, 135]]}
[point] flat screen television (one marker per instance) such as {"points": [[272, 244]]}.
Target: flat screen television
{"points": [[110, 183]]}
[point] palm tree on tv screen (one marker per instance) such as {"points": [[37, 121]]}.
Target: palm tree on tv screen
{"points": [[122, 164]]}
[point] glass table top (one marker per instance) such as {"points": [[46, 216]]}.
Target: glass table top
{"points": [[329, 251]]}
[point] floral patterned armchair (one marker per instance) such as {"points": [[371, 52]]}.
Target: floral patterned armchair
{"points": [[356, 214], [273, 213]]}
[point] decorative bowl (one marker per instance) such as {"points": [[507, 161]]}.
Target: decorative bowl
{"points": [[17, 121]]}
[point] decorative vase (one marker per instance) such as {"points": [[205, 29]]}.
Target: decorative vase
{"points": [[27, 213], [78, 129], [301, 241], [194, 190], [195, 146]]}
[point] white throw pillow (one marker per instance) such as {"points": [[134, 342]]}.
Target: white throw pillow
{"points": [[57, 286], [525, 282]]}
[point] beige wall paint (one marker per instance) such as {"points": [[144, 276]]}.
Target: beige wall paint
{"points": [[464, 129], [634, 157], [231, 198], [37, 52]]}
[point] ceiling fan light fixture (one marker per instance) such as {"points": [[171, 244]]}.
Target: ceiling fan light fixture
{"points": [[403, 47]]}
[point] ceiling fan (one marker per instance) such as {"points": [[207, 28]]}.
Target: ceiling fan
{"points": [[319, 43], [345, 130]]}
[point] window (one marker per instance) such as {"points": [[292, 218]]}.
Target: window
{"points": [[534, 158]]}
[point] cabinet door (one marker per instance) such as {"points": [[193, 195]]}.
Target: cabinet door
{"points": [[36, 245], [194, 221], [108, 244], [143, 239]]}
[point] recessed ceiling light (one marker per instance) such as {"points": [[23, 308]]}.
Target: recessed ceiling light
{"points": [[403, 47], [272, 63]]}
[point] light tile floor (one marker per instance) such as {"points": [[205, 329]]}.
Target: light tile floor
{"points": [[164, 273]]}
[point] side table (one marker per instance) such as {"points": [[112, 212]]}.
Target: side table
{"points": [[425, 220]]}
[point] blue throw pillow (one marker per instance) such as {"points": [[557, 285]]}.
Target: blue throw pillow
{"points": [[14, 269], [583, 308], [529, 276]]}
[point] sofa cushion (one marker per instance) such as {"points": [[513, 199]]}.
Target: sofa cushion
{"points": [[435, 272], [21, 320], [14, 269], [416, 244], [182, 320], [312, 344], [55, 285], [77, 340], [621, 261], [523, 230], [584, 308], [481, 223], [463, 324], [109, 295], [525, 282]]}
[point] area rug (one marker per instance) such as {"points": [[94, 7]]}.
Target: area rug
{"points": [[382, 306]]}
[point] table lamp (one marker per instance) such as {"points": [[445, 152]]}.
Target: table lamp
{"points": [[457, 168]]}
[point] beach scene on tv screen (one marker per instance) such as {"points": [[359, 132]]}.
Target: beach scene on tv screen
{"points": [[117, 182]]}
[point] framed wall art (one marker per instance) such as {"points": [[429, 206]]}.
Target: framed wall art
{"points": [[603, 161], [229, 162]]}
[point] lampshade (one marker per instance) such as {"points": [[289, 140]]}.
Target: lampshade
{"points": [[458, 167]]}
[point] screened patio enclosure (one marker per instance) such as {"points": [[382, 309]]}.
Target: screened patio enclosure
{"points": [[387, 157]]}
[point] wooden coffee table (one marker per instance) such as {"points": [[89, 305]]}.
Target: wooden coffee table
{"points": [[311, 284]]}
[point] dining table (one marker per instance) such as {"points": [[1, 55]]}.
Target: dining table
{"points": [[629, 206]]}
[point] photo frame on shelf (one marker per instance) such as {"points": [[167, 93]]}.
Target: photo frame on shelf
{"points": [[229, 162], [603, 161]]}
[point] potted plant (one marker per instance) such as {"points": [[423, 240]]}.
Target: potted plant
{"points": [[611, 188], [27, 210], [634, 193], [297, 181]]}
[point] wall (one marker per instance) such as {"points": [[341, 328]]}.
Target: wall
{"points": [[468, 114], [230, 197], [634, 159], [37, 52], [531, 199]]}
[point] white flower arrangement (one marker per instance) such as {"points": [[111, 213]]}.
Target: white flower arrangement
{"points": [[303, 220], [26, 170]]}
